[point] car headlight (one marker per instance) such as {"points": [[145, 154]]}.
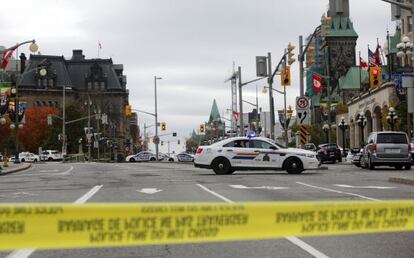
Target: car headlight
{"points": [[312, 156]]}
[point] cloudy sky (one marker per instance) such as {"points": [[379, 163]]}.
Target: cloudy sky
{"points": [[190, 43]]}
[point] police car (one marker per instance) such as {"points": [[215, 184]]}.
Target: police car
{"points": [[141, 156], [252, 153]]}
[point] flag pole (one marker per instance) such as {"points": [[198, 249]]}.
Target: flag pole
{"points": [[389, 56], [360, 79]]}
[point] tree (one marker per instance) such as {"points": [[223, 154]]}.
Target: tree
{"points": [[35, 129]]}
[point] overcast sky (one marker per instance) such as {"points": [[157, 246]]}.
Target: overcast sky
{"points": [[190, 43]]}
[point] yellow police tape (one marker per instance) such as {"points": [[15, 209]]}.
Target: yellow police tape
{"points": [[49, 226]]}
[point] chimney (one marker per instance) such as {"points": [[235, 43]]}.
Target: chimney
{"points": [[77, 55], [22, 62]]}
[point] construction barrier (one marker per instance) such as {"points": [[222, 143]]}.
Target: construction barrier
{"points": [[52, 226]]}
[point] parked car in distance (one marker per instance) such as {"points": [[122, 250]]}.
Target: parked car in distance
{"points": [[26, 157], [356, 159], [310, 147], [141, 156], [51, 155], [165, 157], [185, 157], [387, 148], [254, 153], [329, 152]]}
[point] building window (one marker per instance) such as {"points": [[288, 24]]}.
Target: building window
{"points": [[44, 104], [102, 85], [50, 82], [410, 23], [89, 85], [50, 104], [96, 86]]}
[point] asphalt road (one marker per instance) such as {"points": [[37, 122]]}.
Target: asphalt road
{"points": [[69, 183]]}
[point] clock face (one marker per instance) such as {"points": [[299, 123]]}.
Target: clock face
{"points": [[42, 72]]}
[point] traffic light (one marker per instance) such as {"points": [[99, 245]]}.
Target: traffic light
{"points": [[285, 77], [310, 56], [162, 143], [202, 128], [163, 126], [174, 134], [128, 111], [326, 22], [178, 141], [375, 77], [289, 112], [291, 55]]}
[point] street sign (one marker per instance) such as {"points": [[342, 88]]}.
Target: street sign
{"points": [[302, 103], [303, 134], [303, 117]]}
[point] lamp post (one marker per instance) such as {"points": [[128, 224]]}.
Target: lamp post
{"points": [[405, 50], [362, 122], [156, 115], [392, 117], [325, 128], [343, 125], [88, 103]]}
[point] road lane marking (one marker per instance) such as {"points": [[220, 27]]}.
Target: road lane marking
{"points": [[88, 195], [258, 187], [66, 172], [365, 187], [24, 253], [294, 240], [149, 190], [340, 192]]}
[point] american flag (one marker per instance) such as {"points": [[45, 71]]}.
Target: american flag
{"points": [[371, 58]]}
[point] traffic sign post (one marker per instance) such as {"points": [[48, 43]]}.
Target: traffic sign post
{"points": [[302, 103]]}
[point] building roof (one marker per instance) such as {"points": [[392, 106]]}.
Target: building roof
{"points": [[341, 27], [73, 72], [353, 79], [214, 114]]}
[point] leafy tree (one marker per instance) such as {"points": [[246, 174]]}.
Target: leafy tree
{"points": [[35, 129]]}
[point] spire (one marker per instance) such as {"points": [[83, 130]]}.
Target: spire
{"points": [[214, 114]]}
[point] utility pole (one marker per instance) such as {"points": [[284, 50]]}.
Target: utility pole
{"points": [[240, 102], [89, 127], [301, 69], [271, 100], [64, 123], [285, 126]]}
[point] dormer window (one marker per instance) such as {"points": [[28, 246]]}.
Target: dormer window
{"points": [[96, 78]]}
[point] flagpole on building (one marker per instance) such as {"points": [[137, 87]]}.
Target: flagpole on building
{"points": [[360, 79], [389, 56]]}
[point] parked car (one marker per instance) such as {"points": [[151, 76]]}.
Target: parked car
{"points": [[351, 154], [26, 157], [51, 155], [165, 157], [310, 147], [141, 156], [356, 159], [185, 157], [412, 153], [329, 152], [387, 149], [244, 153]]}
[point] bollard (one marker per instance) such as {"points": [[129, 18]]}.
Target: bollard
{"points": [[5, 162]]}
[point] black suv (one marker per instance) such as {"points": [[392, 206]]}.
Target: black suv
{"points": [[329, 152]]}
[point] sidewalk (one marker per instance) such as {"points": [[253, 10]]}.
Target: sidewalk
{"points": [[12, 168]]}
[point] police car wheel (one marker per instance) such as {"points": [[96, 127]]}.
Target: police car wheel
{"points": [[131, 160], [221, 166], [294, 166], [152, 159]]}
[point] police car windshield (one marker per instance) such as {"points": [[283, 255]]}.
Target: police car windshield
{"points": [[277, 144]]}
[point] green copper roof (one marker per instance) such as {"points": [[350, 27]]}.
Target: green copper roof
{"points": [[341, 27], [394, 40], [352, 80], [214, 114]]}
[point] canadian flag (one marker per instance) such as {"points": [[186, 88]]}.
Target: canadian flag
{"points": [[317, 83]]}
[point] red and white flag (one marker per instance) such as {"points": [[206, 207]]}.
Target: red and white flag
{"points": [[317, 83], [236, 115], [6, 57], [362, 63]]}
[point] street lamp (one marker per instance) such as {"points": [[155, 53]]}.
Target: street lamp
{"points": [[405, 50], [156, 116], [343, 125], [392, 117], [325, 128], [88, 103], [362, 122]]}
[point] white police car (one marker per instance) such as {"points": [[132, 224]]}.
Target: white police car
{"points": [[141, 156], [248, 153]]}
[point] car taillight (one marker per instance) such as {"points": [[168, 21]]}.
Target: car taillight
{"points": [[199, 150], [409, 147], [374, 148]]}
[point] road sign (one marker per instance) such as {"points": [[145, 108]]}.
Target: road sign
{"points": [[303, 117], [303, 134], [302, 103]]}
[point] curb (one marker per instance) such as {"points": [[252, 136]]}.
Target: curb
{"points": [[18, 169], [401, 180]]}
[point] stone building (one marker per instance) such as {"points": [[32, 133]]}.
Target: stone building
{"points": [[93, 85]]}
